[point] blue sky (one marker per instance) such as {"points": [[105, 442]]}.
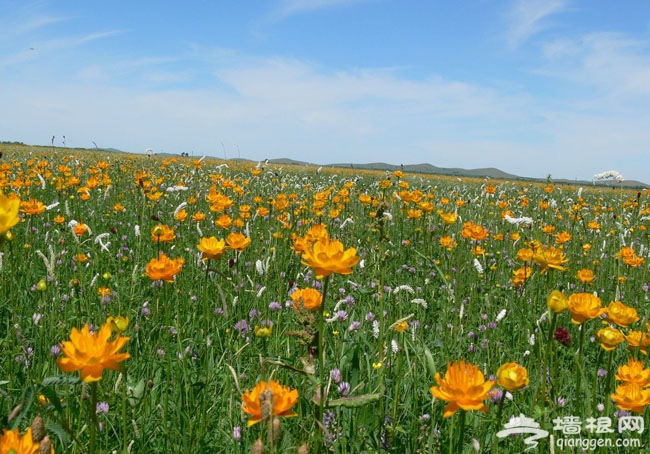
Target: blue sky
{"points": [[533, 87]]}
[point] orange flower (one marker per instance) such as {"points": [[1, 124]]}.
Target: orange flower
{"points": [[474, 231], [211, 248], [634, 372], [58, 219], [464, 387], [563, 237], [448, 218], [586, 276], [327, 256], [8, 212], [163, 268], [80, 229], [557, 302], [12, 443], [525, 254], [32, 206], [609, 338], [401, 326], [520, 275], [91, 353], [310, 298], [198, 216], [238, 241], [638, 339], [629, 257], [163, 233], [550, 257], [224, 221], [631, 397], [621, 314], [267, 400], [583, 307], [512, 376]]}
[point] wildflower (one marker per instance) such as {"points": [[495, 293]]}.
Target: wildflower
{"points": [[464, 387], [609, 338], [211, 248], [238, 241], [549, 257], [327, 256], [631, 397], [309, 298], [557, 302], [118, 324], [32, 207], [267, 400], [12, 442], [520, 275], [163, 268], [263, 331], [563, 336], [401, 326], [634, 372], [584, 306], [586, 276], [621, 314], [512, 376], [162, 233], [8, 213], [91, 353], [638, 339], [80, 228]]}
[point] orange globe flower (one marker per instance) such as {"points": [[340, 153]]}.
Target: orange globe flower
{"points": [[211, 248], [327, 256], [638, 339], [238, 241], [267, 400], [583, 307], [634, 372], [609, 338], [163, 268], [8, 213], [162, 233], [550, 257], [80, 228], [32, 207], [621, 314], [310, 298], [631, 397], [91, 353], [464, 387], [12, 443], [512, 376], [586, 276]]}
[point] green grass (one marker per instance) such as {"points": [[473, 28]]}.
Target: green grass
{"points": [[191, 360]]}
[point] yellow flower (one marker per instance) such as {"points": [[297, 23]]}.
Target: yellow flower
{"points": [[309, 298], [586, 276], [557, 302], [512, 376], [163, 268], [118, 324], [267, 400], [263, 331], [12, 443], [377, 366], [609, 338], [326, 256], [634, 372], [448, 218], [520, 275], [91, 353], [638, 339], [583, 307], [238, 241], [211, 248], [631, 397], [8, 212], [401, 326], [464, 387], [621, 314]]}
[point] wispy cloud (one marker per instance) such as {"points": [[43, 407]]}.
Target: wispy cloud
{"points": [[287, 8], [527, 18]]}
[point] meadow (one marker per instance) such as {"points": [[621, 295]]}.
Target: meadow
{"points": [[179, 305]]}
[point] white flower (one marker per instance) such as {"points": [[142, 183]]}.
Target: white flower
{"points": [[501, 315], [478, 266], [375, 329], [394, 346]]}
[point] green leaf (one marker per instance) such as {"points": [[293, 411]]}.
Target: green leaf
{"points": [[60, 380], [353, 402]]}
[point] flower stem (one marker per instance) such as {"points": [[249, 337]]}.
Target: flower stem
{"points": [[321, 369], [93, 416], [495, 448]]}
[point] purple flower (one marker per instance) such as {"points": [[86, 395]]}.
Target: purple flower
{"points": [[275, 306], [102, 408], [336, 376], [354, 326], [344, 388]]}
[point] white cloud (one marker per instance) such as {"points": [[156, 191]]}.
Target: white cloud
{"points": [[287, 8], [527, 18]]}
